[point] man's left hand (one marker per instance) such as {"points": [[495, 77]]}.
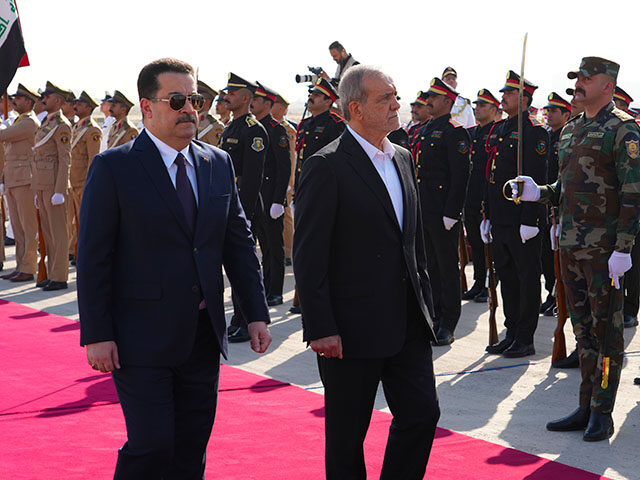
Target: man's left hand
{"points": [[276, 210], [260, 336], [619, 263], [449, 222]]}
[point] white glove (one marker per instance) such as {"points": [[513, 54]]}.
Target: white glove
{"points": [[527, 232], [57, 199], [618, 264], [485, 231], [530, 189], [1, 188], [449, 222], [35, 201], [554, 234], [276, 210]]}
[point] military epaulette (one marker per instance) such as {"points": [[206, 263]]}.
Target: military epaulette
{"points": [[455, 123], [534, 121], [251, 121], [274, 122], [622, 115], [62, 120], [336, 118]]}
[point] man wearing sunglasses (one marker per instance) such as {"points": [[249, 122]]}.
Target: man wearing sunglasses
{"points": [[159, 325], [122, 131]]}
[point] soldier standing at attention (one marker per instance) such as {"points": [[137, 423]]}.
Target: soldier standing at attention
{"points": [[108, 122], [421, 114], [67, 107], [598, 193], [485, 112], [86, 145], [122, 130], [50, 166], [461, 111], [441, 154], [18, 140], [222, 110], [515, 227], [246, 141], [622, 99], [209, 128]]}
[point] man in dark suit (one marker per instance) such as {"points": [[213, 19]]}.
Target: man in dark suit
{"points": [[359, 261], [160, 216]]}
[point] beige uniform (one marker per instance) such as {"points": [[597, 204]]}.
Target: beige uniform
{"points": [[121, 133], [2, 219], [18, 140], [50, 167], [86, 145], [209, 130], [288, 213]]}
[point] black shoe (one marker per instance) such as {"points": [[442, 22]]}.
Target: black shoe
{"points": [[472, 292], [273, 300], [636, 381], [287, 262], [547, 303], [8, 241], [499, 347], [231, 329], [630, 321], [482, 297], [54, 286], [444, 337], [295, 310], [239, 336], [1, 266], [600, 427], [71, 256], [551, 311], [73, 262], [576, 420], [571, 361], [43, 283], [519, 349]]}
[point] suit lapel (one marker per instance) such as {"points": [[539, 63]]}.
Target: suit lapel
{"points": [[203, 175], [151, 161], [363, 166]]}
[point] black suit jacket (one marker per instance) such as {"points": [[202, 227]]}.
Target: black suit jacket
{"points": [[141, 273], [353, 264]]}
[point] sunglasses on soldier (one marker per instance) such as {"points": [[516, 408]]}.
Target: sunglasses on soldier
{"points": [[178, 100]]}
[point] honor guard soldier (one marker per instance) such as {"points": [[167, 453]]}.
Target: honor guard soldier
{"points": [[622, 99], [421, 114], [558, 113], [515, 227], [108, 121], [209, 129], [18, 140], [50, 166], [441, 154], [247, 142], [122, 130], [486, 110], [277, 170], [67, 107], [598, 194], [399, 137], [86, 145], [222, 110], [461, 111]]}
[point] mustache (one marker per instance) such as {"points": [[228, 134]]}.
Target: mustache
{"points": [[186, 118], [580, 90]]}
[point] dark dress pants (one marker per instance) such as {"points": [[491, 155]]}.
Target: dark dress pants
{"points": [[546, 256], [409, 387], [632, 282], [169, 413], [518, 266], [441, 246], [472, 221], [270, 236]]}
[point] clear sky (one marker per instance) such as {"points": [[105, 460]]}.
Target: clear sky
{"points": [[98, 46]]}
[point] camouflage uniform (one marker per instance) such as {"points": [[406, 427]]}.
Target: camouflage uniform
{"points": [[598, 192]]}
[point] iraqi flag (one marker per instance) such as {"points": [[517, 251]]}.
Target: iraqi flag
{"points": [[12, 52]]}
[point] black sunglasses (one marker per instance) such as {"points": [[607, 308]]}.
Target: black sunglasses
{"points": [[178, 100]]}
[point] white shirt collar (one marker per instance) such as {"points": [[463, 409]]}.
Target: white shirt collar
{"points": [[387, 147], [168, 153]]}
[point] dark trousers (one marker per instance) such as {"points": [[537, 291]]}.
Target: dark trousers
{"points": [[632, 282], [546, 257], [442, 266], [169, 413], [270, 236], [472, 220], [518, 266], [409, 387]]}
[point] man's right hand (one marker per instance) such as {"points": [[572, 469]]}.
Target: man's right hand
{"points": [[103, 356], [328, 347], [530, 189], [485, 231]]}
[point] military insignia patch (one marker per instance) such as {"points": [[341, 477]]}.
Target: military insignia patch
{"points": [[436, 134], [133, 136], [250, 121], [632, 148], [319, 129], [258, 144], [513, 135], [64, 140], [96, 137], [541, 147], [284, 141], [463, 148], [231, 140]]}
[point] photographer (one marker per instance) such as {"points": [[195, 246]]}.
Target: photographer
{"points": [[344, 60]]}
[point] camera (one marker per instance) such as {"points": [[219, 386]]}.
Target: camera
{"points": [[316, 71]]}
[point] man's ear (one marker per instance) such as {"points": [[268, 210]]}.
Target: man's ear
{"points": [[355, 110], [145, 107]]}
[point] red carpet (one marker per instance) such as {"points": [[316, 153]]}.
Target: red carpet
{"points": [[60, 420]]}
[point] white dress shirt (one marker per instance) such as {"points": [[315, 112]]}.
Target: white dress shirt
{"points": [[169, 155], [383, 162]]}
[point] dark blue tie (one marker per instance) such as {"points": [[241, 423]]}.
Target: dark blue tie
{"points": [[185, 192]]}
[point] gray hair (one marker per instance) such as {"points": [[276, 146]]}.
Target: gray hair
{"points": [[351, 87]]}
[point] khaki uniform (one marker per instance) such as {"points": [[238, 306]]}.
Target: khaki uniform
{"points": [[18, 140], [2, 219], [288, 213], [86, 145], [121, 133], [209, 130], [50, 167]]}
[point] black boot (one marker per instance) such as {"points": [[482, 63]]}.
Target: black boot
{"points": [[482, 297], [472, 292], [600, 427], [571, 361], [577, 420], [499, 347], [550, 301], [444, 337]]}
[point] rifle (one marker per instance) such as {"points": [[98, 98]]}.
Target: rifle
{"points": [[464, 258], [559, 343], [491, 286], [42, 267]]}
